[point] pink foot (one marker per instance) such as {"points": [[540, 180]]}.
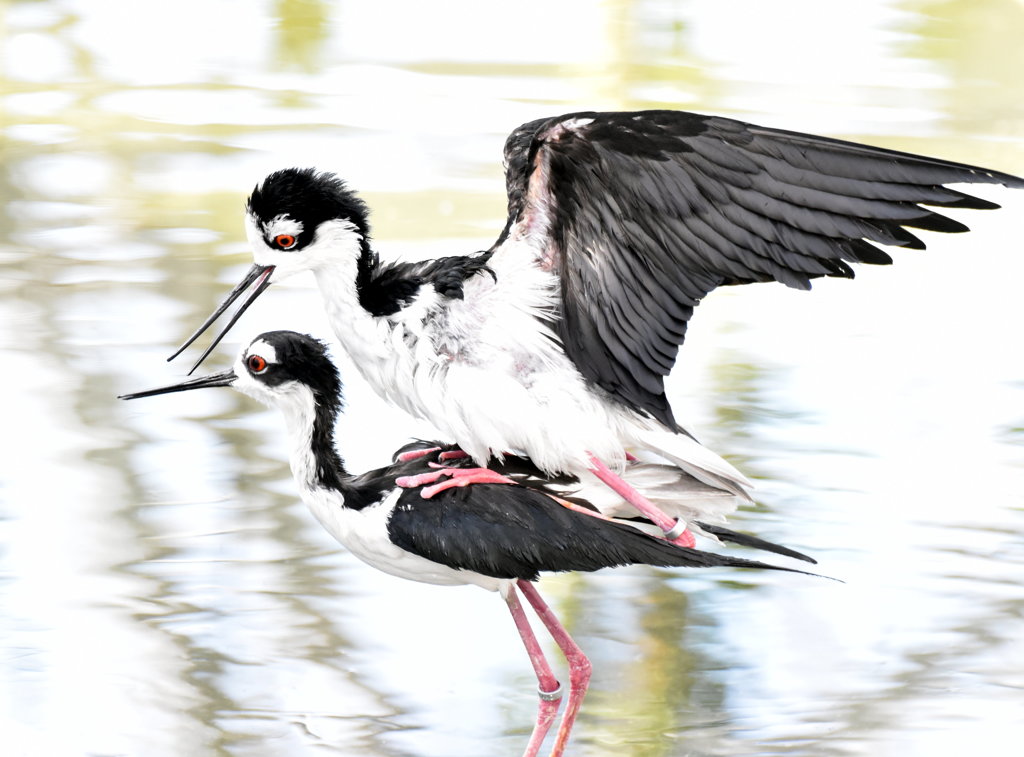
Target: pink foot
{"points": [[453, 454], [416, 454], [456, 477], [685, 539]]}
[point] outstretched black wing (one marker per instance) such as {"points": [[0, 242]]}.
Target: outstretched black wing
{"points": [[642, 214]]}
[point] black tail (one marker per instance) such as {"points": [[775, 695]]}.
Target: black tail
{"points": [[601, 543], [650, 550], [748, 540]]}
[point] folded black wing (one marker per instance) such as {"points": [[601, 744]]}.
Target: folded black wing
{"points": [[509, 531], [642, 214]]}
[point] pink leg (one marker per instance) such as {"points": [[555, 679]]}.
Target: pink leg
{"points": [[457, 477], [579, 665], [416, 454], [675, 530], [453, 454], [548, 688]]}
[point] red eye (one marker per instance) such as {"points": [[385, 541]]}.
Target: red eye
{"points": [[285, 241], [256, 364]]}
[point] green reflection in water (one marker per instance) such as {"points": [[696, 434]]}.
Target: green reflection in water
{"points": [[657, 692], [303, 28], [744, 409], [640, 697], [977, 45]]}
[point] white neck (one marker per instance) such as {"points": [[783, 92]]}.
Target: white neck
{"points": [[365, 337], [298, 407]]}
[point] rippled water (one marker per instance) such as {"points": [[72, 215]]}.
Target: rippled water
{"points": [[162, 592]]}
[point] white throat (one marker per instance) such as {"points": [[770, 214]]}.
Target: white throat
{"points": [[297, 404]]}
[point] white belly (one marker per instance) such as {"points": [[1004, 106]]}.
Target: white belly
{"points": [[487, 373], [364, 533], [548, 415]]}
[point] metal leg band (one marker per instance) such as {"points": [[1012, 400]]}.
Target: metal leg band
{"points": [[550, 696], [677, 530]]}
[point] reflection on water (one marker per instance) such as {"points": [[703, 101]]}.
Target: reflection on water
{"points": [[164, 593]]}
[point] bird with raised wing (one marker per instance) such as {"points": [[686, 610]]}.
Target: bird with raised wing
{"points": [[556, 341], [499, 535]]}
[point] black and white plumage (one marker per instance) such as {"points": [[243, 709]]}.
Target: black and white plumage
{"points": [[556, 341], [497, 536]]}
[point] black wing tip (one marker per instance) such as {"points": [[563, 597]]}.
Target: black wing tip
{"points": [[994, 177], [966, 201], [755, 542], [696, 558]]}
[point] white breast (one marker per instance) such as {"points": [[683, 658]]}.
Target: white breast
{"points": [[510, 385], [486, 369]]}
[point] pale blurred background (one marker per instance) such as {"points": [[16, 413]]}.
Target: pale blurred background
{"points": [[163, 592]]}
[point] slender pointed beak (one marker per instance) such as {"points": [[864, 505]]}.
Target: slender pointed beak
{"points": [[260, 274], [224, 378]]}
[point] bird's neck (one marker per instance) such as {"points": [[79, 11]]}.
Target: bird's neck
{"points": [[340, 280], [316, 465]]}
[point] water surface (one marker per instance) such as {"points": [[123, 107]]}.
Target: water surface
{"points": [[163, 592]]}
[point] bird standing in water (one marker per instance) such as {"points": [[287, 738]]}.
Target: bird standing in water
{"points": [[555, 342], [498, 535]]}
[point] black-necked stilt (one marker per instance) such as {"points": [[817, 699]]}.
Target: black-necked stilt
{"points": [[555, 342], [497, 535]]}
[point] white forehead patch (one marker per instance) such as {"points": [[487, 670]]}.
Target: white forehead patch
{"points": [[283, 224], [264, 350]]}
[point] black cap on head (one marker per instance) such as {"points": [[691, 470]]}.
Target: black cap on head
{"points": [[302, 358], [309, 196]]}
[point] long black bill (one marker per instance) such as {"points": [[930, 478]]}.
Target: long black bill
{"points": [[224, 378], [259, 274]]}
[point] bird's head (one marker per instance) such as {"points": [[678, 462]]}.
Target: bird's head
{"points": [[278, 364], [296, 220], [278, 368], [299, 219]]}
